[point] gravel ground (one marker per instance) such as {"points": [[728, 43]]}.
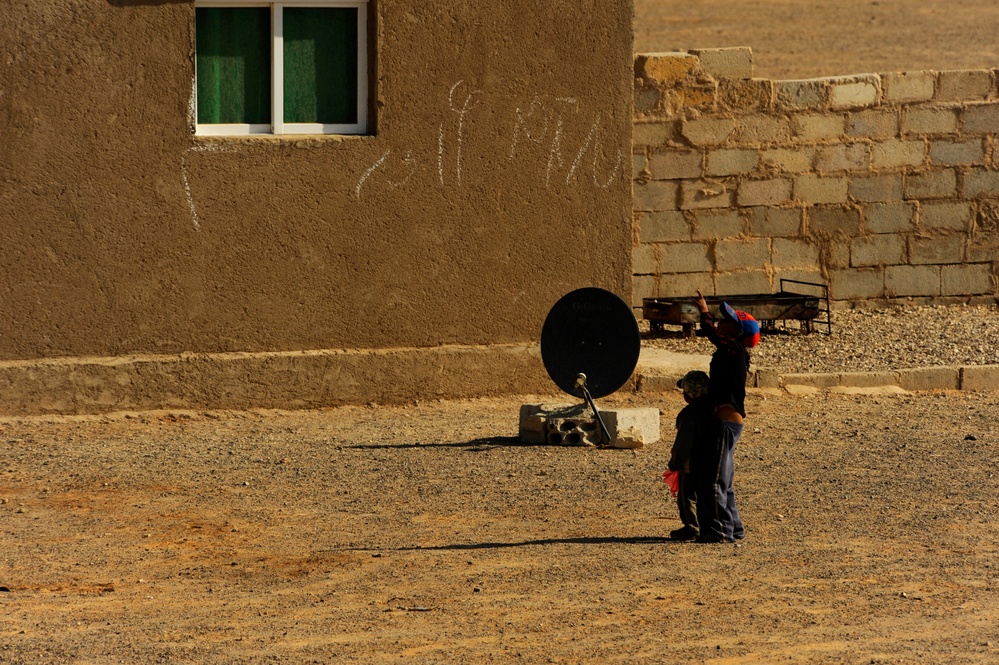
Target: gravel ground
{"points": [[865, 340], [428, 534]]}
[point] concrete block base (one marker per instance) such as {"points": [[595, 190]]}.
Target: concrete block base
{"points": [[575, 425]]}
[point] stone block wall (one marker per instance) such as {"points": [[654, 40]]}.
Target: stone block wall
{"points": [[882, 186]]}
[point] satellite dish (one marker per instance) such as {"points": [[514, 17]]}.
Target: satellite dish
{"points": [[590, 345]]}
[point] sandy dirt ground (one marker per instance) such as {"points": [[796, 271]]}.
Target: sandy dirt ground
{"points": [[811, 38], [429, 534]]}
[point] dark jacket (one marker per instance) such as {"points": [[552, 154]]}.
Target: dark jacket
{"points": [[729, 368], [692, 425]]}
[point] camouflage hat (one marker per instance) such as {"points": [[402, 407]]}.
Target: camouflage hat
{"points": [[694, 384]]}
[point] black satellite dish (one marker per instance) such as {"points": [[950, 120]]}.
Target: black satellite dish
{"points": [[590, 344]]}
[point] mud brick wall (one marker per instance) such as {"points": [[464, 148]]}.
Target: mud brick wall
{"points": [[883, 186]]}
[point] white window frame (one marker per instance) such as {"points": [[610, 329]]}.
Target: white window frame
{"points": [[278, 125]]}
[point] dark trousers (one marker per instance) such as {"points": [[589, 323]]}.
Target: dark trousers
{"points": [[686, 499], [717, 513]]}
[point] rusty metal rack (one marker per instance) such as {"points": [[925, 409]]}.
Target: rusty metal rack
{"points": [[767, 308]]}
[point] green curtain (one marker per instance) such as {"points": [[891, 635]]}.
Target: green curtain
{"points": [[320, 65], [234, 69]]}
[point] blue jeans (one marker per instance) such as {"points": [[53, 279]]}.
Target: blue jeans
{"points": [[717, 513]]}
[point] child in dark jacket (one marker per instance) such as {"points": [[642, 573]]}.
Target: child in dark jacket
{"points": [[691, 428]]}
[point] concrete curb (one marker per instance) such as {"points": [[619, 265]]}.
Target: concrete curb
{"points": [[964, 377]]}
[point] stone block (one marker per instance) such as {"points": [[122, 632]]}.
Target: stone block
{"points": [[726, 63], [714, 224], [980, 377], [848, 92], [656, 195], [767, 377], [638, 164], [889, 217], [964, 85], [653, 134], [559, 424], [836, 255], [762, 128], [773, 192], [676, 164], [810, 379], [632, 427], [929, 378], [983, 247], [857, 284], [770, 222], [644, 286], [706, 194], [834, 220], [981, 119], [908, 87], [666, 226], [901, 281], [935, 184], [930, 121], [981, 182], [802, 94], [576, 425], [742, 254], [745, 95], [801, 274], [876, 188], [684, 257], [684, 284], [731, 161], [895, 153], [957, 153], [843, 157], [665, 68], [793, 253], [936, 249], [877, 250], [818, 126], [789, 160], [707, 131], [814, 189], [967, 280], [742, 282], [873, 123], [954, 216], [645, 259], [647, 100], [868, 379]]}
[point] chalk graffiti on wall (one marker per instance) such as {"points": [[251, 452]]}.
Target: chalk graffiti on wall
{"points": [[545, 134]]}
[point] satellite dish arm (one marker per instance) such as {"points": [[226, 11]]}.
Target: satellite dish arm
{"points": [[581, 384]]}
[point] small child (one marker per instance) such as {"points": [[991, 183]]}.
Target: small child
{"points": [[690, 430]]}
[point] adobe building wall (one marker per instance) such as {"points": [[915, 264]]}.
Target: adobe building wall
{"points": [[143, 266], [882, 186]]}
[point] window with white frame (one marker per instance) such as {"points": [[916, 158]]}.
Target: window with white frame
{"points": [[296, 67]]}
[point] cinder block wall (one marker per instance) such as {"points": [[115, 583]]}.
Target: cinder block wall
{"points": [[883, 186]]}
